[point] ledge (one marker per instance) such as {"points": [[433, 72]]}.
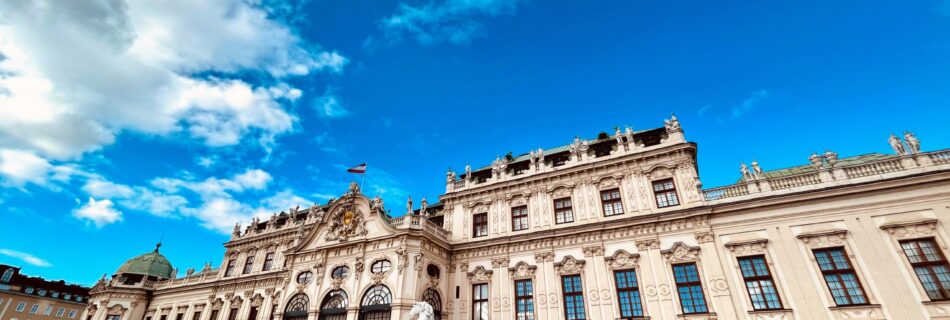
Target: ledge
{"points": [[852, 307], [770, 311], [710, 315]]}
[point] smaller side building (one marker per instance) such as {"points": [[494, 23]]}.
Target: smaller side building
{"points": [[34, 298]]}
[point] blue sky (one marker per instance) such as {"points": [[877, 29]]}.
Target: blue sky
{"points": [[121, 122]]}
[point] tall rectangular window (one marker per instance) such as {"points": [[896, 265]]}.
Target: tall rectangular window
{"points": [[524, 300], [268, 261], [689, 288], [252, 315], [759, 283], [610, 200], [930, 265], [519, 218], [72, 314], [840, 277], [60, 312], [180, 316], [49, 311], [196, 315], [230, 268], [34, 308], [113, 317], [20, 306], [214, 315], [573, 297], [665, 193], [232, 314], [480, 302], [563, 212], [628, 293], [248, 264], [480, 225]]}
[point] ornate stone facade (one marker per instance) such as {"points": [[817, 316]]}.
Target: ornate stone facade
{"points": [[628, 203]]}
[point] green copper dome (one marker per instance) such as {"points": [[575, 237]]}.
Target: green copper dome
{"points": [[149, 264]]}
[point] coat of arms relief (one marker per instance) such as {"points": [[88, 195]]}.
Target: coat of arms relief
{"points": [[347, 220]]}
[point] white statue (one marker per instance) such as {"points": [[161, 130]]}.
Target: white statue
{"points": [[498, 167], [628, 132], [421, 310], [673, 124], [745, 171], [468, 172], [378, 202], [450, 176], [425, 205], [237, 230], [409, 205], [912, 142], [756, 171], [578, 148], [831, 157], [619, 137], [815, 160], [896, 145]]}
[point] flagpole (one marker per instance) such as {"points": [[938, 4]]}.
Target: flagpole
{"points": [[362, 179]]}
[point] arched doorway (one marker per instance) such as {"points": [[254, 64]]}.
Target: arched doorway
{"points": [[334, 306], [297, 307], [376, 303], [432, 297]]}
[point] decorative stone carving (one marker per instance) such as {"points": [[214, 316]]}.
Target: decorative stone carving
{"points": [[593, 251], [257, 300], [499, 263], [498, 167], [911, 229], [912, 142], [116, 309], [346, 221], [680, 252], [672, 124], [741, 248], [479, 275], [358, 268], [403, 255], [704, 236], [522, 270], [647, 244], [561, 191], [622, 260], [745, 172], [578, 148], [541, 257], [823, 238], [216, 304], [756, 170], [896, 145], [569, 265]]}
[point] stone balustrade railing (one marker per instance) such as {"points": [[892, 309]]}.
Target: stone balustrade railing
{"points": [[834, 175], [419, 223]]}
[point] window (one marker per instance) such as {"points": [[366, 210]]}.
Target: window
{"points": [[759, 284], [433, 298], [480, 225], [67, 296], [20, 306], [628, 293], [196, 315], [268, 261], [113, 317], [54, 294], [230, 268], [610, 200], [334, 306], [563, 213], [519, 218], [930, 265], [49, 311], [376, 304], [163, 317], [72, 314], [41, 292], [304, 277], [181, 316], [381, 266], [689, 288], [34, 308], [665, 193], [840, 277], [28, 290], [248, 264], [480, 302], [524, 300], [340, 272], [214, 315], [7, 275], [573, 297], [252, 315], [433, 271], [232, 314]]}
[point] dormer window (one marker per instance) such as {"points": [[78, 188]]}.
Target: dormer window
{"points": [[28, 290], [7, 275]]}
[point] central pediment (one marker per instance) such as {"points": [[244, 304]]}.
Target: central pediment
{"points": [[352, 217]]}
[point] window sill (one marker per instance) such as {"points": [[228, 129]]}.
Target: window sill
{"points": [[697, 316], [770, 311], [856, 306], [937, 303]]}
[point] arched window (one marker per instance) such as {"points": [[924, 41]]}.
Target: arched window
{"points": [[334, 306], [297, 307], [376, 303], [7, 275], [432, 297]]}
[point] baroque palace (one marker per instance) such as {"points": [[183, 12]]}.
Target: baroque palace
{"points": [[616, 227]]}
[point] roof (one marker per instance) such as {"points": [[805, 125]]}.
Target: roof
{"points": [[563, 148], [148, 264], [806, 168]]}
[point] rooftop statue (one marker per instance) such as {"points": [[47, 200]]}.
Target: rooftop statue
{"points": [[912, 142], [450, 176], [468, 172], [756, 171], [673, 124], [619, 137], [424, 206], [745, 172], [409, 205], [499, 166], [377, 202], [895, 143], [831, 157], [815, 160]]}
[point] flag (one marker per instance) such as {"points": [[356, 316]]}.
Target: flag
{"points": [[358, 169]]}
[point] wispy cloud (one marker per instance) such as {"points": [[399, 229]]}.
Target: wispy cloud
{"points": [[26, 257], [98, 212], [749, 103], [330, 105], [435, 22]]}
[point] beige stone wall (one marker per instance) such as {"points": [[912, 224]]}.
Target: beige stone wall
{"points": [[10, 300]]}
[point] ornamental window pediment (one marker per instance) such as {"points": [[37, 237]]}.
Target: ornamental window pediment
{"points": [[479, 275], [569, 265], [522, 270], [911, 229], [621, 259], [680, 253]]}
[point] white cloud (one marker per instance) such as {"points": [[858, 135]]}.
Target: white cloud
{"points": [[329, 105], [100, 213], [107, 67], [26, 257], [749, 103], [102, 188], [435, 22], [20, 167]]}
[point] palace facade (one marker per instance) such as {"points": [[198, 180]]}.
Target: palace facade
{"points": [[616, 227]]}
